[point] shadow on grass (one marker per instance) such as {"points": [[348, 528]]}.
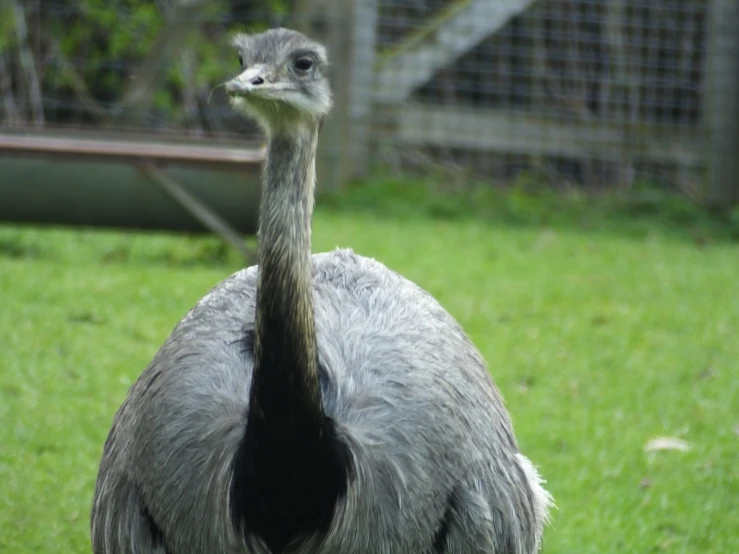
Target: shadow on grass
{"points": [[638, 214], [116, 247], [11, 247], [198, 251]]}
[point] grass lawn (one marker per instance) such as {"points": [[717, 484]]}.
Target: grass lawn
{"points": [[599, 342]]}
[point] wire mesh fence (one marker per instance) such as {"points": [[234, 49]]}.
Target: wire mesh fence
{"points": [[69, 65], [597, 92], [586, 92]]}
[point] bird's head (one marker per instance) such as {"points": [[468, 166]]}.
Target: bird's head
{"points": [[283, 80]]}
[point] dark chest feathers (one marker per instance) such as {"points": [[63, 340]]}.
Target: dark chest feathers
{"points": [[442, 531], [157, 537], [286, 484]]}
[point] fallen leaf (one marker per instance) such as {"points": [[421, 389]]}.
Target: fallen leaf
{"points": [[707, 373], [598, 320], [666, 443], [525, 383]]}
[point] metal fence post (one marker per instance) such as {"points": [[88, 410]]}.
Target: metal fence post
{"points": [[361, 86], [721, 103], [329, 21]]}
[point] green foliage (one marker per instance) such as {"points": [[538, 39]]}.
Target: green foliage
{"points": [[105, 40], [7, 30], [598, 341], [107, 36]]}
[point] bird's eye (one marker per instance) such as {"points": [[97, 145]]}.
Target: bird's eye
{"points": [[241, 60], [303, 64]]}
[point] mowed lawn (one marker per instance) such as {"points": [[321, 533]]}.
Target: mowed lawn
{"points": [[599, 343]]}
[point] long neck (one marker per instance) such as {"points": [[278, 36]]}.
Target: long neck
{"points": [[291, 467], [285, 386]]}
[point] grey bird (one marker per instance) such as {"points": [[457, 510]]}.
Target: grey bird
{"points": [[313, 403]]}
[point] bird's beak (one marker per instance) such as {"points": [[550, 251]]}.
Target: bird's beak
{"points": [[246, 82]]}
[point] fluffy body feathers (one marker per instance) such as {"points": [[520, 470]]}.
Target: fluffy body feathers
{"points": [[430, 440]]}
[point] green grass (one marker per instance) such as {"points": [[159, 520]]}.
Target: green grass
{"points": [[598, 340]]}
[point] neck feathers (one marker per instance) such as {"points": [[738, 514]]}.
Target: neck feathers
{"points": [[291, 468], [286, 356]]}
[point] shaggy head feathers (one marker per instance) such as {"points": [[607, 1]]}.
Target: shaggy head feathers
{"points": [[283, 81]]}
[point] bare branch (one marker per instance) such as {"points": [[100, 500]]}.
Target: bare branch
{"points": [[12, 117], [76, 81], [28, 63], [137, 98], [189, 92]]}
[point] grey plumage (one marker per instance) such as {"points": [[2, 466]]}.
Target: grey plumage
{"points": [[435, 464]]}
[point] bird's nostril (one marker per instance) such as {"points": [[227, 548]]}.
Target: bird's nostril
{"points": [[257, 81]]}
